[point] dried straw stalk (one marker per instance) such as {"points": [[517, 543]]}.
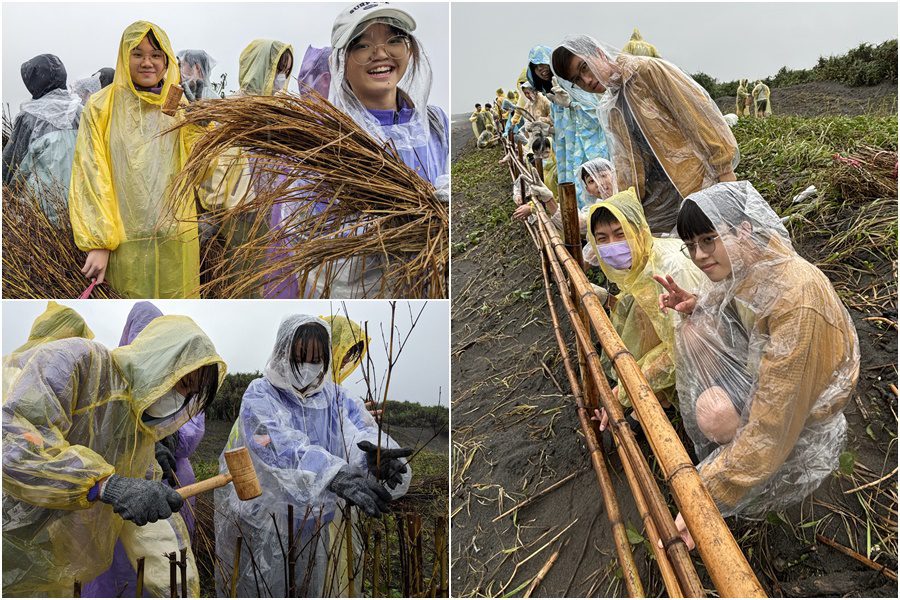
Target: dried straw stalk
{"points": [[40, 259], [347, 195]]}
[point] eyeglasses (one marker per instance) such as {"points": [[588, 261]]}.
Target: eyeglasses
{"points": [[363, 53], [583, 70], [707, 243]]}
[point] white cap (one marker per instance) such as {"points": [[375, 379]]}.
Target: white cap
{"points": [[349, 20]]}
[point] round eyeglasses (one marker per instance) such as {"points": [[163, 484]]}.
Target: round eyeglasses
{"points": [[707, 243], [362, 53]]}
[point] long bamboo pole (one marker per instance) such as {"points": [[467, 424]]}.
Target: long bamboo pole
{"points": [[623, 547], [630, 451], [721, 554]]}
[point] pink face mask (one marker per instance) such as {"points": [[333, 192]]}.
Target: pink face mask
{"points": [[617, 255]]}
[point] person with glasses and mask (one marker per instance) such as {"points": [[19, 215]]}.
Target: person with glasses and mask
{"points": [[312, 445], [766, 358]]}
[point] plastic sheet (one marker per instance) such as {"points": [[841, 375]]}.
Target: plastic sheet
{"points": [[196, 66], [772, 345], [666, 136]]}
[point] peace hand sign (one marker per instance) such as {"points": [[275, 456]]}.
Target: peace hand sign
{"points": [[675, 297]]}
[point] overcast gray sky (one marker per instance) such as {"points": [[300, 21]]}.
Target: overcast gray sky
{"points": [[86, 35], [243, 332], [727, 40]]}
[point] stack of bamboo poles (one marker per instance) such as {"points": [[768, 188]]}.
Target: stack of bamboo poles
{"points": [[339, 193], [725, 563]]}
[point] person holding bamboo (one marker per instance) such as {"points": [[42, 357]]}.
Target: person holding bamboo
{"points": [[381, 78], [629, 256], [311, 444], [80, 423], [766, 358], [667, 137], [126, 155]]}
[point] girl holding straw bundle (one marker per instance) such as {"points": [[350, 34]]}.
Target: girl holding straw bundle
{"points": [[126, 155], [381, 77]]}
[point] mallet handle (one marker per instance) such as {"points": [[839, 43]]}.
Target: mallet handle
{"points": [[205, 485]]}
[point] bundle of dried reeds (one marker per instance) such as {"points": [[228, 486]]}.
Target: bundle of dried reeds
{"points": [[342, 195], [40, 258]]}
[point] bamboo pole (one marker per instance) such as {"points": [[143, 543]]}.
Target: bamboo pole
{"points": [[440, 550], [139, 583], [539, 167], [628, 448], [723, 558], [348, 541], [237, 566], [76, 589], [620, 536], [534, 497], [542, 573], [857, 556]]}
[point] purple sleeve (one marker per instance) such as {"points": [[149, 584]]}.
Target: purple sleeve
{"points": [[140, 316], [189, 436]]}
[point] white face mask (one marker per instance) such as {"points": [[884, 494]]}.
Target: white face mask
{"points": [[306, 375], [166, 406], [280, 82]]}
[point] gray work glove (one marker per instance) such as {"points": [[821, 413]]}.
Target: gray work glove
{"points": [[165, 456], [140, 500], [391, 468], [359, 491]]}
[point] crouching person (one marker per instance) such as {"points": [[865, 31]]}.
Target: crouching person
{"points": [[766, 361]]}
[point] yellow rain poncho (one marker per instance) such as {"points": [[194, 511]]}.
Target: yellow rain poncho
{"points": [[56, 323], [762, 103], [638, 47], [647, 333], [123, 167], [740, 101], [71, 418], [258, 67], [345, 334]]}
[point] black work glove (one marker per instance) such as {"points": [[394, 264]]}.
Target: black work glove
{"points": [[356, 489], [140, 500], [391, 468], [165, 456]]}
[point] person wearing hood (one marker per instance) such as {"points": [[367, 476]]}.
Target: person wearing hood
{"points": [[314, 73], [578, 135], [630, 256], [80, 425], [477, 121], [762, 103], [381, 78], [85, 87], [667, 137], [741, 99], [172, 455], [766, 360], [264, 70], [312, 444], [195, 67], [41, 147], [138, 238], [637, 46]]}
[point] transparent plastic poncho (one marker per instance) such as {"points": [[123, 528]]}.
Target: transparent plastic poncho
{"points": [[72, 417], [666, 136], [298, 443], [126, 155], [770, 348], [648, 333], [85, 87], [423, 141], [196, 67], [314, 73]]}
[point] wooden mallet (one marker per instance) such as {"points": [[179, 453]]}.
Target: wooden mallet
{"points": [[240, 472]]}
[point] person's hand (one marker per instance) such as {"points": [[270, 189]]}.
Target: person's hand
{"points": [[683, 532], [95, 265], [140, 500], [356, 489], [540, 191], [389, 468], [523, 212], [376, 413], [165, 456], [674, 297], [601, 417], [559, 97]]}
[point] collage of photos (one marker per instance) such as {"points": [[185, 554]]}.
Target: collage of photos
{"points": [[449, 299]]}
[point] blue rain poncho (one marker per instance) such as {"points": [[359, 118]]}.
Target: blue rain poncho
{"points": [[297, 443]]}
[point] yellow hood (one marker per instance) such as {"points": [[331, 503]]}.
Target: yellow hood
{"points": [[258, 66]]}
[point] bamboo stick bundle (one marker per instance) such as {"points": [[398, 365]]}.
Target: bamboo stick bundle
{"points": [[722, 556], [342, 195], [40, 258]]}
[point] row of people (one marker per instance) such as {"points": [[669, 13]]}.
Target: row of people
{"points": [[95, 440], [727, 322], [117, 157]]}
